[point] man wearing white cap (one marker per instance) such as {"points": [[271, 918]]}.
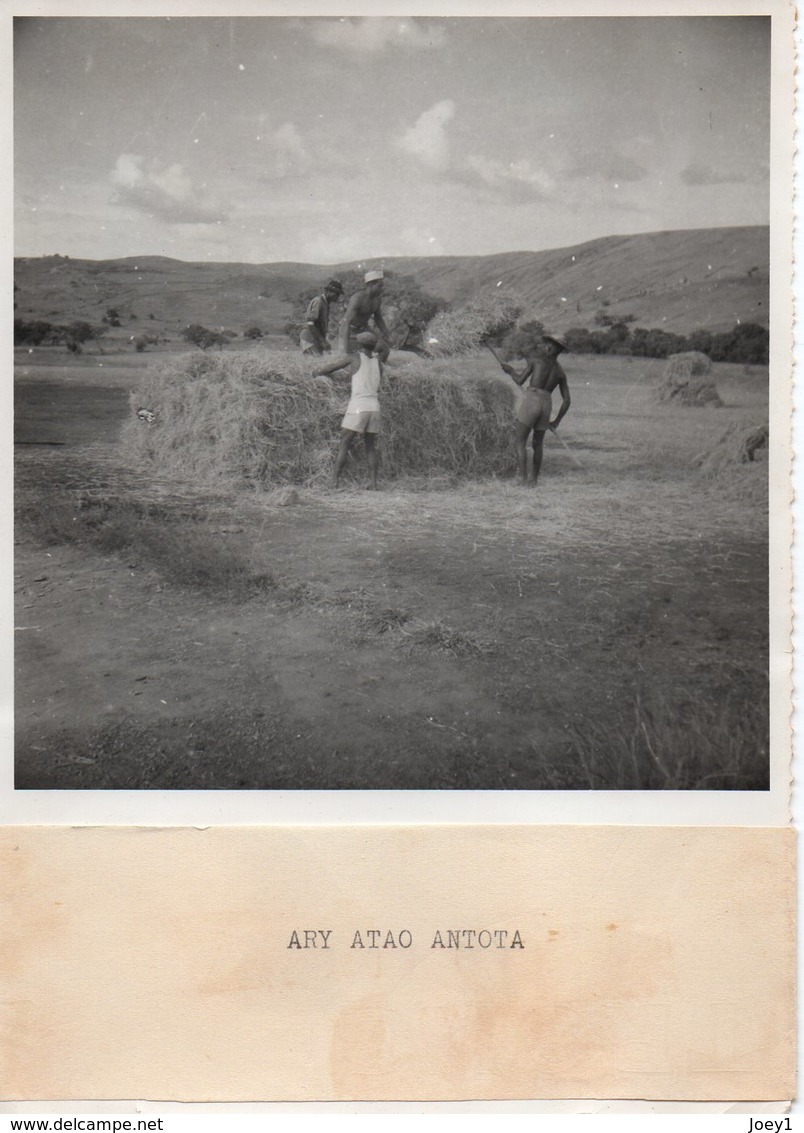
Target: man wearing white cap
{"points": [[533, 411], [365, 307]]}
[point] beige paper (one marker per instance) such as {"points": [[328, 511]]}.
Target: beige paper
{"points": [[656, 963]]}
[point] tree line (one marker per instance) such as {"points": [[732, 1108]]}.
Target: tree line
{"points": [[408, 309], [746, 342], [39, 332]]}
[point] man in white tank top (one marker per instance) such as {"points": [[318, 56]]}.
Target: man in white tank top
{"points": [[362, 417]]}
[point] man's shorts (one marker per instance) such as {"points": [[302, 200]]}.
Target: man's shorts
{"points": [[365, 422], [534, 410], [309, 344]]}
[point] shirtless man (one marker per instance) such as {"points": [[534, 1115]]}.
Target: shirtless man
{"points": [[365, 307], [542, 374], [313, 338], [362, 417]]}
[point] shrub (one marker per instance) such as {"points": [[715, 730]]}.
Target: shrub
{"points": [[143, 341], [34, 332], [262, 418], [747, 342], [580, 340], [655, 343], [202, 337], [523, 340]]}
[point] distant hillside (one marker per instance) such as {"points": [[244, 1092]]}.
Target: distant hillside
{"points": [[676, 280]]}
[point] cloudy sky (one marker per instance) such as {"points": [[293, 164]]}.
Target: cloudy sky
{"points": [[323, 140]]}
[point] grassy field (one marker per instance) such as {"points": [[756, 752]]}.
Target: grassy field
{"points": [[605, 630]]}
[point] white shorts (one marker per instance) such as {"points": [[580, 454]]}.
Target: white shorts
{"points": [[367, 421]]}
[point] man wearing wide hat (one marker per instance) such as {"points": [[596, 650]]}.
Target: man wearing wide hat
{"points": [[542, 374]]}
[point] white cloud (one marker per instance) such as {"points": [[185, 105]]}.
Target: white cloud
{"points": [[166, 193], [606, 164], [515, 180], [374, 33], [427, 140], [701, 173]]}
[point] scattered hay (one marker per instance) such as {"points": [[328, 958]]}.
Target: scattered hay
{"points": [[685, 380], [262, 418], [490, 314], [443, 638], [283, 497]]}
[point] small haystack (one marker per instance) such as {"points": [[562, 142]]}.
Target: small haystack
{"points": [[738, 463], [740, 444], [489, 315], [686, 382], [262, 418]]}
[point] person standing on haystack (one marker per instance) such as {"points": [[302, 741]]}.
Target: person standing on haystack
{"points": [[364, 309], [362, 417], [542, 374], [313, 339]]}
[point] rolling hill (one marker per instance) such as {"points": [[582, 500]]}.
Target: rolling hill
{"points": [[676, 280]]}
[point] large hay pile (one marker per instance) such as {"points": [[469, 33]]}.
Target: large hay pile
{"points": [[434, 422], [685, 380], [490, 314], [256, 417], [262, 418]]}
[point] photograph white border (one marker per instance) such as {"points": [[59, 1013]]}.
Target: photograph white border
{"points": [[203, 808]]}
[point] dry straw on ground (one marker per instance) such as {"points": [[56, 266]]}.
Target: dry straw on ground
{"points": [[685, 380], [262, 418]]}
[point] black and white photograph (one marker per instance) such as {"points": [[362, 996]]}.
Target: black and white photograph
{"points": [[392, 403]]}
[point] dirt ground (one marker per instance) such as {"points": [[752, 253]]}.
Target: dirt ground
{"points": [[608, 629]]}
